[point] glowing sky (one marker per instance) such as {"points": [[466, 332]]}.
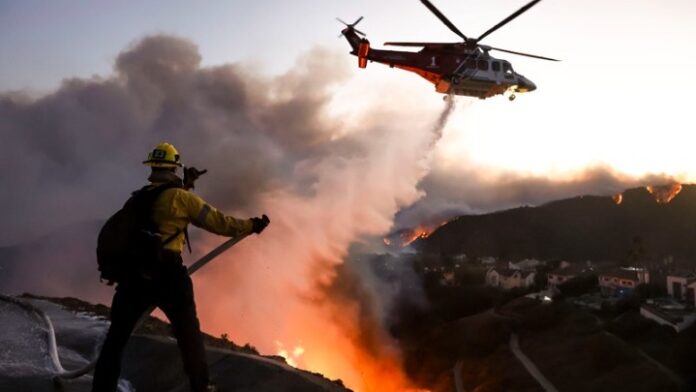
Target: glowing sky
{"points": [[621, 97]]}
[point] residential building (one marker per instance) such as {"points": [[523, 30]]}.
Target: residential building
{"points": [[526, 264], [682, 286], [507, 278], [447, 278], [622, 281], [559, 276]]}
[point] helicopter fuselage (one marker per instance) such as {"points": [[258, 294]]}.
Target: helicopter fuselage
{"points": [[452, 68]]}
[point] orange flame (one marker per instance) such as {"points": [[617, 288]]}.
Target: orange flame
{"points": [[421, 231], [664, 193], [618, 198], [292, 357]]}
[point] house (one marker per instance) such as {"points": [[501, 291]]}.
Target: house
{"points": [[682, 286], [447, 278], [561, 275], [507, 278], [526, 264], [460, 258], [622, 281]]}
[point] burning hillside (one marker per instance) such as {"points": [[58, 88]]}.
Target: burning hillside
{"points": [[580, 228], [405, 237], [664, 193]]}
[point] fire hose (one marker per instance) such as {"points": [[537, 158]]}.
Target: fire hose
{"points": [[63, 374]]}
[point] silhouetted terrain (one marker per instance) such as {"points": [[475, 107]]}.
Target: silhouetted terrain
{"points": [[151, 360], [581, 228]]}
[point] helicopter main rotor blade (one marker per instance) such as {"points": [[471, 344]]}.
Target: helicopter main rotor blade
{"points": [[508, 19], [486, 47], [420, 44], [444, 19]]}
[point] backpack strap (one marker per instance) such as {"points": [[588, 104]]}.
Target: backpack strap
{"points": [[153, 193], [188, 241], [171, 238], [186, 235]]}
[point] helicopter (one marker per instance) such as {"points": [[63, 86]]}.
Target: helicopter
{"points": [[455, 68]]}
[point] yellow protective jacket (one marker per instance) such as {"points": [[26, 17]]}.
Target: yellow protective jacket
{"points": [[175, 208]]}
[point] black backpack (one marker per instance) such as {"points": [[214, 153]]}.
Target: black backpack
{"points": [[129, 244]]}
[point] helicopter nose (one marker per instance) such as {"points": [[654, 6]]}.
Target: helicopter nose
{"points": [[525, 85]]}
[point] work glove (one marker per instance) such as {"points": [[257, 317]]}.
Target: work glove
{"points": [[260, 223], [191, 174]]}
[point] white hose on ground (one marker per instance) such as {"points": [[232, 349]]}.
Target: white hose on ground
{"points": [[50, 332], [63, 374]]}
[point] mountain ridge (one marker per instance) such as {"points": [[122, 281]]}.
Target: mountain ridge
{"points": [[579, 228]]}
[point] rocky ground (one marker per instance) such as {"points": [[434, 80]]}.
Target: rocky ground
{"points": [[151, 361]]}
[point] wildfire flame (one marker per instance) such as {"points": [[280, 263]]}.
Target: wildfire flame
{"points": [[664, 193], [292, 357], [421, 231], [618, 198]]}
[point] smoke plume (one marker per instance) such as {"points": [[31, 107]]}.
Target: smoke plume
{"points": [[452, 191], [270, 147]]}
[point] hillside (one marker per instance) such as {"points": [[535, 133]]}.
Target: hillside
{"points": [[580, 228], [151, 361], [571, 347]]}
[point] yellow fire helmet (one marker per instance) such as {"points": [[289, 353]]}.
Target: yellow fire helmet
{"points": [[163, 155]]}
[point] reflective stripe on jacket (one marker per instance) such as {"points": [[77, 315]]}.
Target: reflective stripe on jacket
{"points": [[177, 207]]}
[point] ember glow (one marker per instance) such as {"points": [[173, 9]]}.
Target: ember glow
{"points": [[293, 356], [618, 198], [422, 231], [664, 193]]}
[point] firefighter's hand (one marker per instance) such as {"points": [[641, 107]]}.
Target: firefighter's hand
{"points": [[260, 223], [191, 174]]}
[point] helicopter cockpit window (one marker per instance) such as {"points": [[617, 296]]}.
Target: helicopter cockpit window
{"points": [[495, 66], [483, 65], [470, 63], [508, 71]]}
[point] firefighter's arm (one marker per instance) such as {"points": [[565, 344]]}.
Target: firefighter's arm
{"points": [[209, 218]]}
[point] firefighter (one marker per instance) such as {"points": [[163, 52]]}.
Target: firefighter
{"points": [[169, 287]]}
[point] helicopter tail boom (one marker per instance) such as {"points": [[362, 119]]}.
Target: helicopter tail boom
{"points": [[360, 46]]}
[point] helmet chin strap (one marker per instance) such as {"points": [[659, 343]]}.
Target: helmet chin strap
{"points": [[160, 175]]}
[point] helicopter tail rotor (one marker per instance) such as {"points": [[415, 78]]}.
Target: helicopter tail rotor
{"points": [[357, 40], [351, 26]]}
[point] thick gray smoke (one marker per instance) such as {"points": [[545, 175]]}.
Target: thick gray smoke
{"points": [[459, 191], [75, 154]]}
